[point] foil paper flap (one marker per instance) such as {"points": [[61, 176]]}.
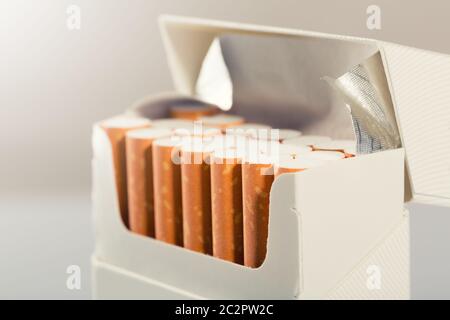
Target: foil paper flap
{"points": [[370, 106]]}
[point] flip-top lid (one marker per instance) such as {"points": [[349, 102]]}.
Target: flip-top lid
{"points": [[418, 80]]}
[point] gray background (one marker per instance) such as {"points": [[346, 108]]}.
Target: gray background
{"points": [[54, 83]]}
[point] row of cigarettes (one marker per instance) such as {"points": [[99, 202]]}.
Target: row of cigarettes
{"points": [[202, 180]]}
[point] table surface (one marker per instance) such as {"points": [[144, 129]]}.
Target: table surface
{"points": [[43, 233]]}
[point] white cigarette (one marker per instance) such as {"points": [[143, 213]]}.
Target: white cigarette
{"points": [[172, 123], [197, 130], [276, 134], [292, 163], [293, 149], [326, 155], [247, 129], [222, 121], [346, 146], [192, 112], [228, 141], [334, 145], [306, 140]]}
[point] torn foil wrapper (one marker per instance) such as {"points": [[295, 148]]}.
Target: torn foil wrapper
{"points": [[367, 96]]}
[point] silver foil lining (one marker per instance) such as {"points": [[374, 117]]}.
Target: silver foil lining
{"points": [[373, 130]]}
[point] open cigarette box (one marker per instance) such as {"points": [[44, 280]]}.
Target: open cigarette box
{"points": [[338, 231]]}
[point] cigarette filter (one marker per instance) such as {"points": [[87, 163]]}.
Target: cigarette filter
{"points": [[256, 183], [196, 195], [293, 150], [266, 148], [350, 152], [348, 147], [140, 178], [167, 190], [116, 129], [247, 129], [230, 142], [222, 121], [227, 216], [172, 124], [326, 155], [276, 149], [192, 112], [306, 140], [293, 163], [276, 134], [197, 130]]}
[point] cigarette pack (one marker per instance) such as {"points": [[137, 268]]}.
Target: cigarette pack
{"points": [[339, 231]]}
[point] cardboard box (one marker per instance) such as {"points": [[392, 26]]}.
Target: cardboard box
{"points": [[354, 245]]}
